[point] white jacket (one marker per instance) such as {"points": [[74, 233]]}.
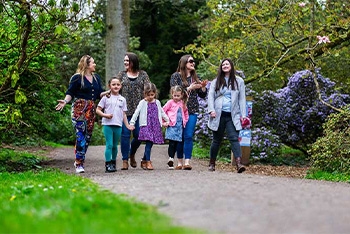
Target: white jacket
{"points": [[141, 111]]}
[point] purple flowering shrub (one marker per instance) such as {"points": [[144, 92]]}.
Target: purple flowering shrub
{"points": [[295, 113], [264, 145]]}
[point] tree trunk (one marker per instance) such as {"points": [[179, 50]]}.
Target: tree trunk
{"points": [[117, 37]]}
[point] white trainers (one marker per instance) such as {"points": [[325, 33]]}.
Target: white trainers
{"points": [[79, 168], [171, 164]]}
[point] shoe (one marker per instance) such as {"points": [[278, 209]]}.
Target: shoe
{"points": [[239, 166], [144, 164], [171, 164], [79, 168], [125, 165], [178, 167], [149, 165], [114, 165], [109, 167], [133, 162], [187, 167], [212, 165]]}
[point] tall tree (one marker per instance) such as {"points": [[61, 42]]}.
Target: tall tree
{"points": [[117, 26]]}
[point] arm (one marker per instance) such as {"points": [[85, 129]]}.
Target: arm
{"points": [[125, 120], [136, 113], [211, 107], [62, 103], [242, 99], [102, 114]]}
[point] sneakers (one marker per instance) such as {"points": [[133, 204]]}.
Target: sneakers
{"points": [[79, 168], [171, 164]]}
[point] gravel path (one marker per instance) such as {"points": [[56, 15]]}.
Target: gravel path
{"points": [[223, 202]]}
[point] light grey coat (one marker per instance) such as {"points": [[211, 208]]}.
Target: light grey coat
{"points": [[238, 104]]}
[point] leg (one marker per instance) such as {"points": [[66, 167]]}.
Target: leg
{"points": [[171, 153], [125, 141], [233, 135], [147, 155], [108, 133], [188, 135], [215, 144]]}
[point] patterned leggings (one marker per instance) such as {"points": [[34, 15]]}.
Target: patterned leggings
{"points": [[83, 120]]}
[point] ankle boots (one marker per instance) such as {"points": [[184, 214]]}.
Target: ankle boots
{"points": [[125, 165], [110, 166], [212, 165], [240, 168], [133, 162]]}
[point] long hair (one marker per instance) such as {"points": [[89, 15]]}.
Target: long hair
{"points": [[182, 70], [134, 64], [178, 88], [82, 67], [150, 87], [220, 82]]}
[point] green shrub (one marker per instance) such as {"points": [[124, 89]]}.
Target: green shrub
{"points": [[16, 161], [331, 152]]}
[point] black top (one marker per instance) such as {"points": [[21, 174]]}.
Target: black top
{"points": [[90, 91]]}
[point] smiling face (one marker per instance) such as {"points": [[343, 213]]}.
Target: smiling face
{"points": [[226, 67], [190, 63], [115, 85], [126, 63]]}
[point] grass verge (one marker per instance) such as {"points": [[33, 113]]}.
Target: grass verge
{"points": [[321, 175], [49, 201]]}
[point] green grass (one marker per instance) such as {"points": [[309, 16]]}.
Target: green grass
{"points": [[321, 175], [49, 201]]}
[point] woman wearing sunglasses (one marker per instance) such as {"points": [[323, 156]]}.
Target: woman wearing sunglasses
{"points": [[187, 77]]}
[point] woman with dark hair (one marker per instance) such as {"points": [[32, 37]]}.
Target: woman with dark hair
{"points": [[84, 89], [186, 77], [227, 108], [133, 82]]}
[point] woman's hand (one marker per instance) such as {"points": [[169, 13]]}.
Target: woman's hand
{"points": [[213, 114], [60, 105]]}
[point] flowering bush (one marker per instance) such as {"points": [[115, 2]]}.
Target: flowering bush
{"points": [[264, 145], [295, 113]]}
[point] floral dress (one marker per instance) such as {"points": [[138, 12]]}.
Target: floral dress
{"points": [[152, 131]]}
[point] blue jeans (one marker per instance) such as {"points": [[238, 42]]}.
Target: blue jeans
{"points": [[125, 146], [148, 148], [232, 135], [112, 136], [186, 146]]}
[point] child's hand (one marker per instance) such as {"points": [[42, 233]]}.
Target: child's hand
{"points": [[108, 116], [165, 124], [131, 127]]}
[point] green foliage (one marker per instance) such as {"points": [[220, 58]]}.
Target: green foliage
{"points": [[321, 175], [271, 41], [331, 152], [50, 201], [18, 161]]}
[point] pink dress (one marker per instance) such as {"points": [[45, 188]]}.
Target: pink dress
{"points": [[152, 131]]}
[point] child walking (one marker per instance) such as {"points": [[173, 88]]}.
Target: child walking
{"points": [[113, 116], [177, 112], [151, 116]]}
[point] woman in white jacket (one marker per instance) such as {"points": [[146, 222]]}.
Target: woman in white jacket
{"points": [[226, 107]]}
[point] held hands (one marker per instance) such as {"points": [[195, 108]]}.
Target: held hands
{"points": [[164, 124], [130, 127]]}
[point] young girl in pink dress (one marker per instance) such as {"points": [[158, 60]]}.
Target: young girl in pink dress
{"points": [[151, 116]]}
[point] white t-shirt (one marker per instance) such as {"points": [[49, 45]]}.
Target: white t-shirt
{"points": [[116, 105]]}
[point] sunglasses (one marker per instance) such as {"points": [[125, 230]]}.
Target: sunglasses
{"points": [[191, 61]]}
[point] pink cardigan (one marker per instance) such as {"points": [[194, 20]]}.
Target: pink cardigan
{"points": [[171, 108]]}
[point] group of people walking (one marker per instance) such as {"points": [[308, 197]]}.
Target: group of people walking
{"points": [[131, 106]]}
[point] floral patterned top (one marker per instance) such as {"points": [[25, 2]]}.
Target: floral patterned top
{"points": [[132, 89], [192, 103]]}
